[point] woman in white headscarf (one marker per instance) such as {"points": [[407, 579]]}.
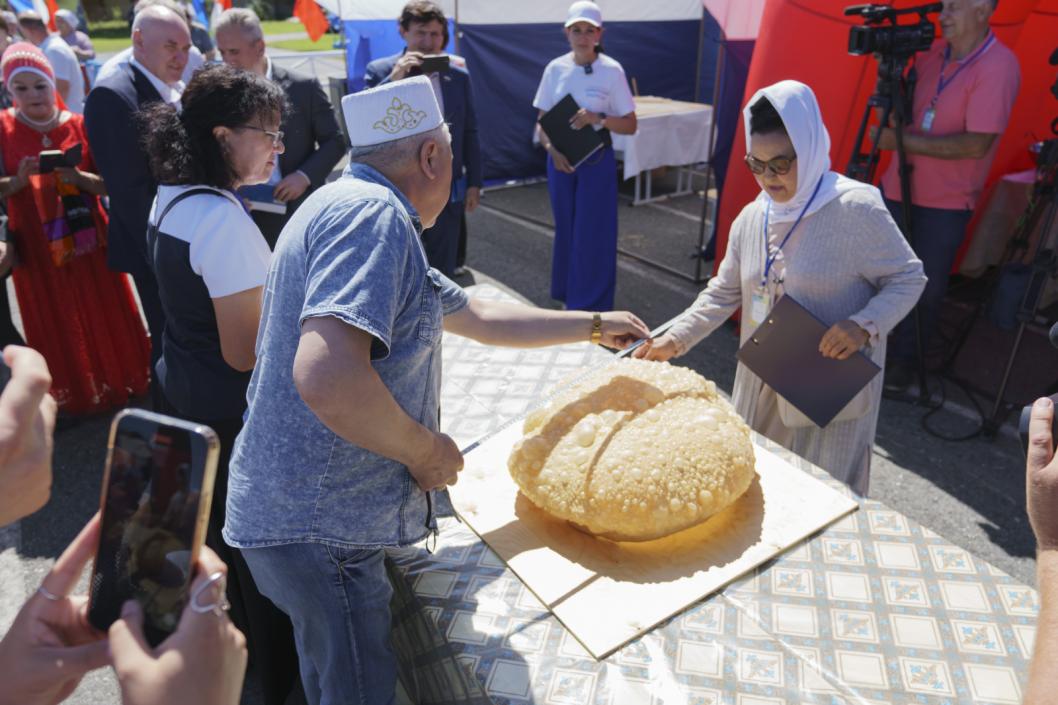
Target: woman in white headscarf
{"points": [[831, 244]]}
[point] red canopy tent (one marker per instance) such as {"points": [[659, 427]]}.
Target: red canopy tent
{"points": [[808, 41]]}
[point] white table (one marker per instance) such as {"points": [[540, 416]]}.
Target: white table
{"points": [[669, 133]]}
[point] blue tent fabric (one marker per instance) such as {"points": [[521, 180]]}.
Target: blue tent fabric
{"points": [[732, 87], [505, 75], [18, 6], [507, 61], [200, 12], [367, 40]]}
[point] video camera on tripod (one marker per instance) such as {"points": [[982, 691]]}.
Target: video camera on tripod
{"points": [[894, 39], [893, 44]]}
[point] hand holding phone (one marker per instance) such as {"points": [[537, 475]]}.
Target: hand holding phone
{"points": [[54, 158], [434, 63], [212, 652], [49, 159], [157, 490], [50, 645]]}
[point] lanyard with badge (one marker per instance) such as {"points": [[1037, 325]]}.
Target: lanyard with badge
{"points": [[761, 298], [942, 83]]}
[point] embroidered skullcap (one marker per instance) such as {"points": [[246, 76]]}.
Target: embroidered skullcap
{"points": [[391, 111], [25, 57]]}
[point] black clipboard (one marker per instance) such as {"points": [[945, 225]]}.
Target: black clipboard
{"points": [[784, 353], [575, 145]]}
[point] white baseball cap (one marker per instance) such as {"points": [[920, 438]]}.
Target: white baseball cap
{"points": [[584, 11], [392, 111]]}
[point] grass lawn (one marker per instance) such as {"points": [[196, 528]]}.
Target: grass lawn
{"points": [[281, 27], [325, 43], [104, 45], [113, 36]]}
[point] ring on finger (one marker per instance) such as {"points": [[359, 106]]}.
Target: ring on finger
{"points": [[49, 595], [221, 605]]}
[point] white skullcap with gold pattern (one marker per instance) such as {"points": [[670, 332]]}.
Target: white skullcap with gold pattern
{"points": [[392, 111]]}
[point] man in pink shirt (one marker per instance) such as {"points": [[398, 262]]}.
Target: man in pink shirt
{"points": [[967, 83]]}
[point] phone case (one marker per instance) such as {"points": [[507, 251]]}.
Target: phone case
{"points": [[135, 417]]}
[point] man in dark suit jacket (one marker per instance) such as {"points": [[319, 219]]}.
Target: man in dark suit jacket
{"points": [[424, 28], [311, 136], [160, 46]]}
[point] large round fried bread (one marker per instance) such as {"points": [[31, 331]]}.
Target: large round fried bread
{"points": [[634, 452]]}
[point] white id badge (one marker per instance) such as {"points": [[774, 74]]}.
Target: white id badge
{"points": [[927, 120], [760, 304]]}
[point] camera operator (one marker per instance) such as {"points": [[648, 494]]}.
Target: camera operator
{"points": [[966, 89], [1041, 492]]}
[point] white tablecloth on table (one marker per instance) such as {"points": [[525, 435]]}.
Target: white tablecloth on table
{"points": [[670, 133]]}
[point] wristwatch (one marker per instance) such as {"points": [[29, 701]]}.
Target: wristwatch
{"points": [[602, 119]]}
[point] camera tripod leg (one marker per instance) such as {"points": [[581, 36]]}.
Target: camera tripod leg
{"points": [[1045, 264], [904, 172], [920, 355], [1000, 409]]}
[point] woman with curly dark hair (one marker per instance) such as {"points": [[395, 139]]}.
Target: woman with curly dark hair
{"points": [[211, 261]]}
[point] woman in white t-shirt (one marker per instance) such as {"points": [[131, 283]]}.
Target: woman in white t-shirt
{"points": [[584, 196], [211, 262]]}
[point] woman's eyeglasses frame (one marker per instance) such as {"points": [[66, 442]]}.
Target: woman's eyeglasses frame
{"points": [[276, 135]]}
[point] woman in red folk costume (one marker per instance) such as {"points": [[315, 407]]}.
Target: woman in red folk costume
{"points": [[80, 315]]}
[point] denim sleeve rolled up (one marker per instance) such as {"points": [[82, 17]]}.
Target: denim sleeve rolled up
{"points": [[351, 251]]}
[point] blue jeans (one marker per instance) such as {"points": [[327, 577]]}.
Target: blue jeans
{"points": [[338, 600], [936, 234]]}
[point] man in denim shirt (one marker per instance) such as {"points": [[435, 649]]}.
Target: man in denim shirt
{"points": [[341, 445]]}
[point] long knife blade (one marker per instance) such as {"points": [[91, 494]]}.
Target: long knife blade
{"points": [[588, 371]]}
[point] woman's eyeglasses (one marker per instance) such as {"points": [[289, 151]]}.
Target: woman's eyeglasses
{"points": [[277, 136], [779, 166]]}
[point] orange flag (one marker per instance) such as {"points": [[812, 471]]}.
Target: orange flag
{"points": [[53, 7], [312, 17]]}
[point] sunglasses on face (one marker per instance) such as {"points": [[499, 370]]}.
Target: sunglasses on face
{"points": [[779, 166]]}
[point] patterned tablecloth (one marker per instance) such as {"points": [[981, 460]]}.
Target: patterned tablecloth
{"points": [[874, 609]]}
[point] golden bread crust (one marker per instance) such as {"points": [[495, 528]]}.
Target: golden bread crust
{"points": [[635, 452]]}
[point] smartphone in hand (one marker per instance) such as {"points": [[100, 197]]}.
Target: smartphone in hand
{"points": [[157, 491], [53, 158], [434, 63], [49, 159]]}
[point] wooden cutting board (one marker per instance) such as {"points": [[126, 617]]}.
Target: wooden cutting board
{"points": [[608, 593]]}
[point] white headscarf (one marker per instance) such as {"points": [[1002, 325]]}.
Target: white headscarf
{"points": [[796, 104]]}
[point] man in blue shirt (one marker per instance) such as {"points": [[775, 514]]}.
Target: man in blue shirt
{"points": [[341, 448]]}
